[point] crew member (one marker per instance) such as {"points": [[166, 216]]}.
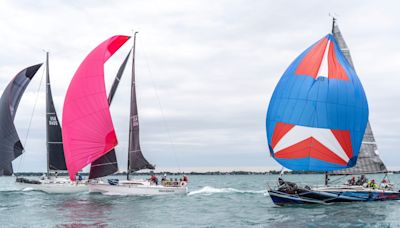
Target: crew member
{"points": [[352, 181], [372, 184], [185, 178], [154, 179], [286, 186]]}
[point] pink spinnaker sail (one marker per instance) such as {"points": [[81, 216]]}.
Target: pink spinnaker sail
{"points": [[87, 128]]}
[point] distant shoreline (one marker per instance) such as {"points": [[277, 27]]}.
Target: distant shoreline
{"points": [[272, 172]]}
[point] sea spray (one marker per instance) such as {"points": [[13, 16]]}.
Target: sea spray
{"points": [[208, 190]]}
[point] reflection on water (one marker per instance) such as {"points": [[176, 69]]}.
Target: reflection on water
{"points": [[363, 214], [90, 211]]}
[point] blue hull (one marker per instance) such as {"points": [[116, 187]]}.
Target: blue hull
{"points": [[317, 197]]}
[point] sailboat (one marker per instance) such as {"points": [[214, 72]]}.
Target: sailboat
{"points": [[10, 145], [326, 129], [88, 132], [51, 182]]}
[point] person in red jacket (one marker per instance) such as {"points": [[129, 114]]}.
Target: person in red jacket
{"points": [[154, 179], [185, 178]]}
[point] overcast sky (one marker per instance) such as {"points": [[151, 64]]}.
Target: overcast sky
{"points": [[205, 70]]}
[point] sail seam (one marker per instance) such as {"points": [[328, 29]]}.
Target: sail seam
{"points": [[102, 164]]}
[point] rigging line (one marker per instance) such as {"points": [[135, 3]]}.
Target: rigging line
{"points": [[31, 117], [171, 142], [339, 178], [281, 172]]}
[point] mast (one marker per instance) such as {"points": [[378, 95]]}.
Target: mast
{"points": [[54, 142], [368, 159], [136, 160], [47, 92], [133, 99]]}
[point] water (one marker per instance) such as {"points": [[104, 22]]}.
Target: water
{"points": [[213, 201]]}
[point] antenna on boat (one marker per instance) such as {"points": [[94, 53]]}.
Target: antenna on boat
{"points": [[334, 18]]}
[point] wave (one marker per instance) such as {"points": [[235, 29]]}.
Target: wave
{"points": [[113, 194], [16, 191], [9, 190], [208, 190]]}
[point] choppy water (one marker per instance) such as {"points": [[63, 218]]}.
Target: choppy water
{"points": [[213, 201]]}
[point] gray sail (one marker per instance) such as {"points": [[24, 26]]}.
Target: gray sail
{"points": [[118, 78], [55, 149], [368, 159], [10, 144], [136, 160], [107, 164], [7, 171]]}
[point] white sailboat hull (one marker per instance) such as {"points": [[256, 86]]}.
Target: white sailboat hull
{"points": [[58, 185], [136, 187]]}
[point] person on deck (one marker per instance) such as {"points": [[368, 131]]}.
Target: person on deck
{"points": [[164, 178], [358, 181], [372, 184], [154, 179], [385, 184], [361, 180], [352, 181], [185, 178], [286, 186]]}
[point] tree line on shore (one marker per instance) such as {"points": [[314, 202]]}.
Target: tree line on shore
{"points": [[270, 172]]}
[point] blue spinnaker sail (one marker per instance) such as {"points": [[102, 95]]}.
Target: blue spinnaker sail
{"points": [[318, 112]]}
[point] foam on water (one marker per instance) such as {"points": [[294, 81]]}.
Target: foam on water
{"points": [[113, 194], [208, 190]]}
